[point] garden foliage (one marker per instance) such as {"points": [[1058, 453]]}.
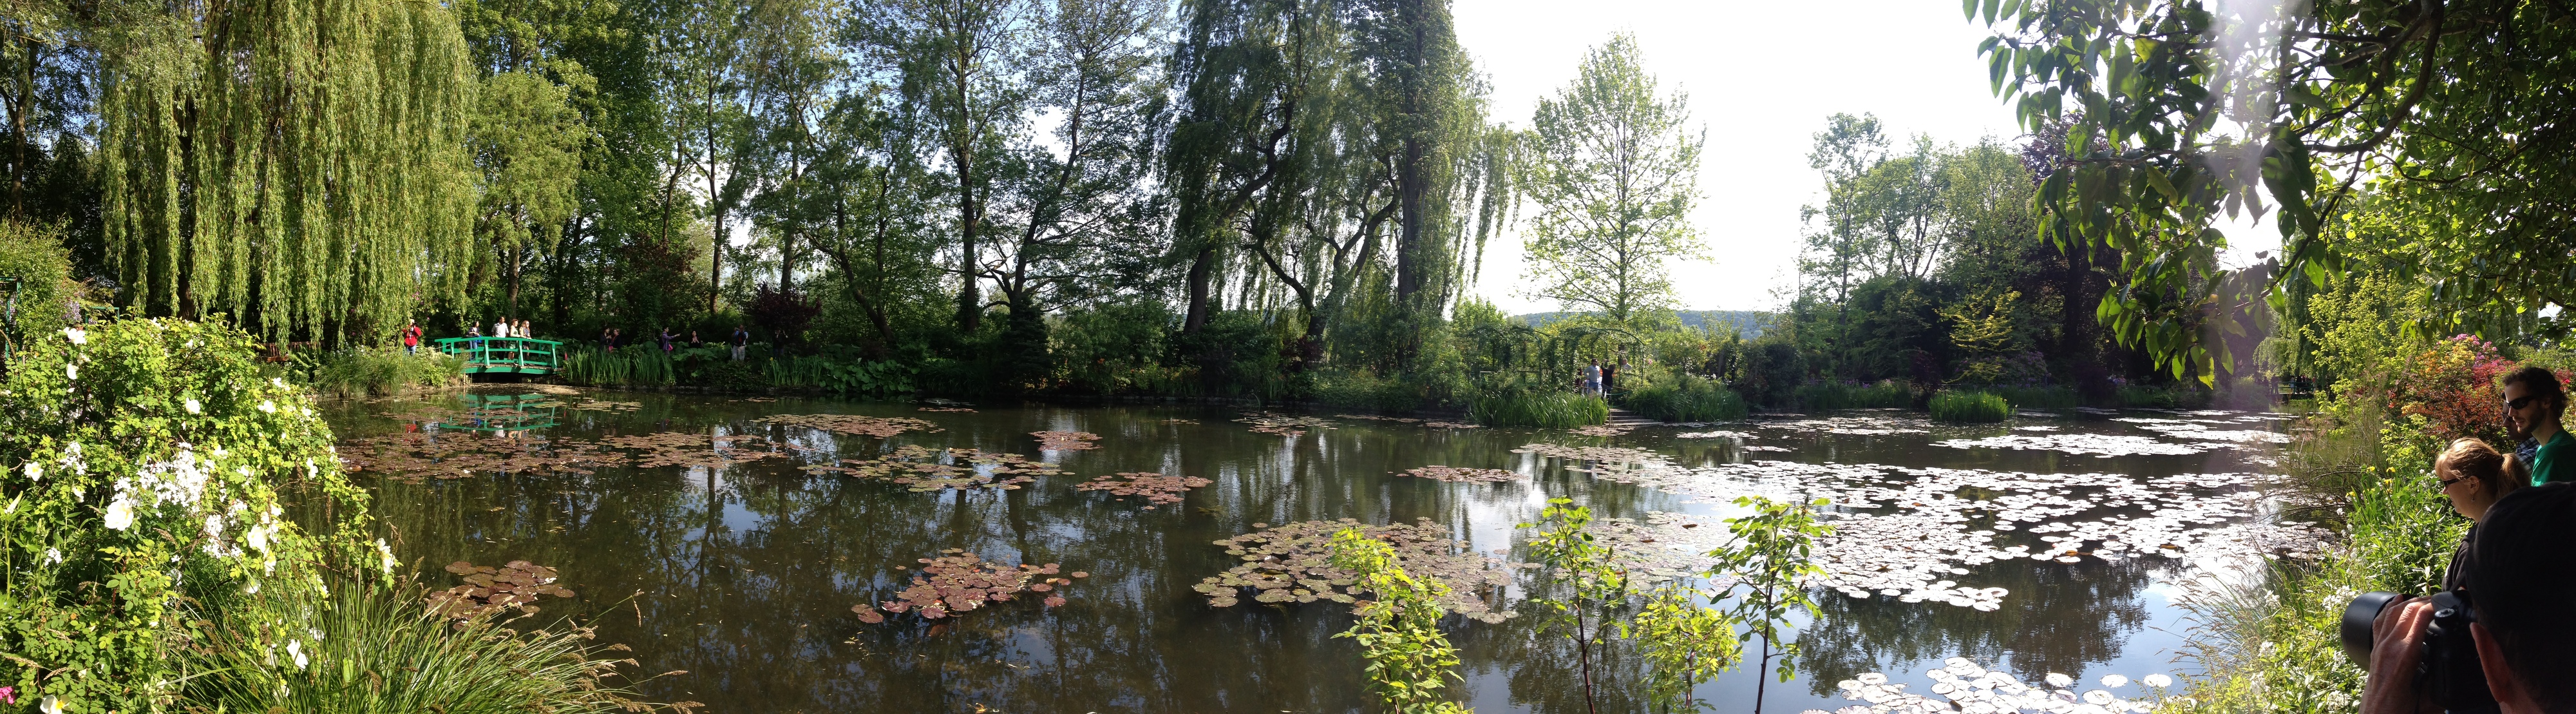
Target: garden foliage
{"points": [[1410, 664], [1969, 407], [143, 514]]}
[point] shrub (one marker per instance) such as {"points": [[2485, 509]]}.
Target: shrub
{"points": [[1969, 407], [2051, 397], [34, 255], [1361, 390], [1546, 410], [1686, 397], [379, 371], [144, 463], [1840, 395], [1773, 369]]}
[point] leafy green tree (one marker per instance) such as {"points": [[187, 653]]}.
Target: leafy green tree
{"points": [[1613, 168], [1577, 561], [872, 225], [301, 168], [1409, 662], [526, 143], [1684, 645], [793, 66], [1770, 559], [964, 94], [2324, 106]]}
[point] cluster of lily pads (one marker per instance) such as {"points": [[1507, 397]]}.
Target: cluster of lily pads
{"points": [[1157, 489], [1960, 686], [413, 457], [1460, 474], [1066, 440], [959, 581], [1293, 563], [853, 424], [487, 590], [688, 449], [1409, 420], [1282, 424], [925, 469]]}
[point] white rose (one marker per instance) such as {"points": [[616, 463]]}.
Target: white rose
{"points": [[35, 472], [195, 407], [76, 335], [120, 514], [267, 406]]}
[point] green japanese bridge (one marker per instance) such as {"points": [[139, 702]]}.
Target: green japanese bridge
{"points": [[503, 355]]}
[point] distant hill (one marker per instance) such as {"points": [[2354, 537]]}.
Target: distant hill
{"points": [[1748, 322]]}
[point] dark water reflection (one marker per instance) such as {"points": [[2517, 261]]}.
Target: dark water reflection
{"points": [[744, 576]]}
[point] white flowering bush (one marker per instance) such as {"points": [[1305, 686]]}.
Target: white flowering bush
{"points": [[141, 513]]}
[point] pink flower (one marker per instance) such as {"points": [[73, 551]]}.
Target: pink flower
{"points": [[9, 695]]}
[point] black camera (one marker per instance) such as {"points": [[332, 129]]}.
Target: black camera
{"points": [[2449, 672]]}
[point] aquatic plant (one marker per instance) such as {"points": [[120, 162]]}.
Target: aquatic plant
{"points": [[1408, 420], [1282, 424], [378, 371], [1571, 558], [696, 450], [1969, 407], [1959, 684], [1066, 440], [1772, 557], [853, 424], [375, 650], [2100, 445], [1684, 644], [487, 590], [413, 457], [958, 581], [1604, 430], [1459, 474], [1157, 489], [1838, 395], [1610, 462], [1409, 661], [1292, 563], [925, 469], [1540, 409]]}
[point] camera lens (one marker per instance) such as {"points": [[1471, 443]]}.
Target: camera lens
{"points": [[2357, 619]]}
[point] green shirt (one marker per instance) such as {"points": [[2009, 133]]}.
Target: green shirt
{"points": [[2553, 462]]}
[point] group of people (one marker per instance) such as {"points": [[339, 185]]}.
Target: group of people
{"points": [[2517, 564], [1599, 380], [613, 338]]}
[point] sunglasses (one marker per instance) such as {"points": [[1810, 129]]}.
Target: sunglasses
{"points": [[2519, 403]]}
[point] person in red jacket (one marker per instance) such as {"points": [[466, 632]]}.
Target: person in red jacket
{"points": [[411, 337]]}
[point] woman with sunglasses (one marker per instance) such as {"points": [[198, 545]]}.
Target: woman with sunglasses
{"points": [[2533, 402], [2474, 476]]}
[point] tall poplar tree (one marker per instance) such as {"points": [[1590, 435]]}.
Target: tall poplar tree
{"points": [[297, 165], [959, 64], [1614, 170]]}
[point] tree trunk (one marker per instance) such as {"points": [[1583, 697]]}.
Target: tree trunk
{"points": [[1201, 270]]}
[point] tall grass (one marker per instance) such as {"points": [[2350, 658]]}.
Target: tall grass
{"points": [[1969, 407], [590, 366], [1546, 410], [1838, 395], [376, 649], [379, 371], [1686, 398]]}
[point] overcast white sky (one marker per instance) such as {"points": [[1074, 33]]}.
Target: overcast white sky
{"points": [[1763, 76]]}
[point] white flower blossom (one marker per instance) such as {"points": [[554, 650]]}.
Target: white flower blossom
{"points": [[194, 406], [76, 335], [295, 649], [267, 407], [54, 555], [257, 538], [13, 507], [35, 472], [73, 460], [388, 553], [120, 514], [71, 371], [52, 705]]}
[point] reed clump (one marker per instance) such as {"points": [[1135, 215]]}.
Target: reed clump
{"points": [[1970, 407], [1686, 397], [1541, 409]]}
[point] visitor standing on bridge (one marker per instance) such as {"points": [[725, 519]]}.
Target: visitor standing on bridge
{"points": [[411, 337], [741, 341], [2533, 402], [1592, 378]]}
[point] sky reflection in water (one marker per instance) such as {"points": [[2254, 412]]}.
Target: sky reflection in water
{"points": [[744, 574]]}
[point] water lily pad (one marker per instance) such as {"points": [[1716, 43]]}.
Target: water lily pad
{"points": [[1279, 560], [1154, 487]]}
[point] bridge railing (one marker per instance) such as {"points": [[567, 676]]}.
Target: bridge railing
{"points": [[504, 354]]}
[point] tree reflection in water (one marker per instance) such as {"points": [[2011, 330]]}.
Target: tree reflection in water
{"points": [[744, 575]]}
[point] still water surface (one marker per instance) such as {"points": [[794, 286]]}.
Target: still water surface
{"points": [[744, 575]]}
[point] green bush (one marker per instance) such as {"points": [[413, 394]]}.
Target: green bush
{"points": [[145, 461], [2051, 397], [379, 371], [1969, 407], [1546, 410], [1838, 395], [34, 255], [1686, 397], [376, 649]]}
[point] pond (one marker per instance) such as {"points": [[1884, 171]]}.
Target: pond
{"points": [[731, 537]]}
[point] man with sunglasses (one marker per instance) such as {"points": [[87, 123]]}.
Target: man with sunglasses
{"points": [[2533, 402]]}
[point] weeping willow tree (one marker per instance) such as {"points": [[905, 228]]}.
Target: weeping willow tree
{"points": [[298, 164]]}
